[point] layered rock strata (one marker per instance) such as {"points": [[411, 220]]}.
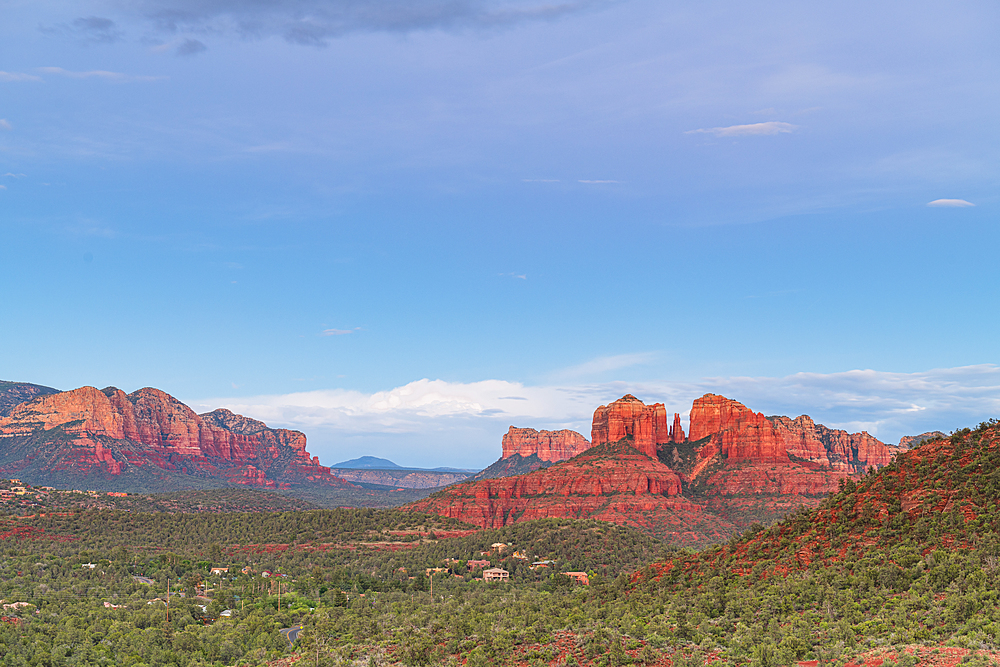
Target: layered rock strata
{"points": [[628, 417], [109, 433], [611, 482], [740, 434], [547, 445]]}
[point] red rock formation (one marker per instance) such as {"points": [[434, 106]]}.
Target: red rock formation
{"points": [[547, 445], [744, 466], [110, 431], [676, 432], [630, 417], [617, 484], [739, 434]]}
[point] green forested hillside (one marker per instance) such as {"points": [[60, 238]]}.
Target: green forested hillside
{"points": [[907, 557]]}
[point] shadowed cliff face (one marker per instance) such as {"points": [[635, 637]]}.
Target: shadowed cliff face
{"points": [[148, 439], [739, 467]]}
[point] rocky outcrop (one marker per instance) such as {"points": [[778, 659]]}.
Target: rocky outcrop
{"points": [[547, 445], [628, 417], [739, 434], [107, 433], [676, 432]]}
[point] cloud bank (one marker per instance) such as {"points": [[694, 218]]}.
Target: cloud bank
{"points": [[434, 422]]}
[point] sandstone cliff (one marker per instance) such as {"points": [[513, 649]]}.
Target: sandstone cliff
{"points": [[151, 440], [628, 417], [739, 434], [547, 445]]}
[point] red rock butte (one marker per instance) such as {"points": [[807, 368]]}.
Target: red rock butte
{"points": [[737, 466], [628, 417], [549, 446], [740, 434]]}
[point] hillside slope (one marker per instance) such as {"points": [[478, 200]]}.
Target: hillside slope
{"points": [[910, 553]]}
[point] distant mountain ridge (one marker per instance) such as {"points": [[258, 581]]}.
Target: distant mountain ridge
{"points": [[377, 463], [372, 470]]}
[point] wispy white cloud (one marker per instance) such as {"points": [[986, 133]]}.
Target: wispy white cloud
{"points": [[5, 124], [13, 175], [519, 276], [99, 74], [753, 129], [605, 364], [950, 203], [18, 76], [434, 422], [3, 187], [339, 332]]}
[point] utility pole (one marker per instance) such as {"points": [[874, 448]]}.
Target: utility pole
{"points": [[168, 600]]}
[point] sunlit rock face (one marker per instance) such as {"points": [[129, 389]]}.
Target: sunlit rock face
{"points": [[89, 432]]}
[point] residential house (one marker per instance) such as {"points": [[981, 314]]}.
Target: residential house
{"points": [[496, 574], [578, 577]]}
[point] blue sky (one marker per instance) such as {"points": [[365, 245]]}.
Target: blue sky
{"points": [[370, 220]]}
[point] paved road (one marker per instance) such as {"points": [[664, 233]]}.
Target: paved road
{"points": [[292, 633], [144, 580]]}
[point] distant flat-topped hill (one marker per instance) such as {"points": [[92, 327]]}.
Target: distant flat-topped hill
{"points": [[368, 462]]}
